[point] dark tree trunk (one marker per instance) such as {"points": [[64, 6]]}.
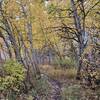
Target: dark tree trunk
{"points": [[80, 31]]}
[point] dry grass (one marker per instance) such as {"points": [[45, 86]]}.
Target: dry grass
{"points": [[58, 73]]}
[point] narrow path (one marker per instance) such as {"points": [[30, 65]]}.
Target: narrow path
{"points": [[56, 89]]}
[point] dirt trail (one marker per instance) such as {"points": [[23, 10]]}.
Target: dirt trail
{"points": [[56, 90]]}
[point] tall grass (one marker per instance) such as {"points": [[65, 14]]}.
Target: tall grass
{"points": [[59, 73]]}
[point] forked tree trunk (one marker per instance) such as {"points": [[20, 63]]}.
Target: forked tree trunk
{"points": [[80, 31]]}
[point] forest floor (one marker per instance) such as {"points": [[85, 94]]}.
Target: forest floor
{"points": [[65, 86]]}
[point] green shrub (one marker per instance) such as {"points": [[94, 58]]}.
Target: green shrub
{"points": [[71, 92], [13, 73]]}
